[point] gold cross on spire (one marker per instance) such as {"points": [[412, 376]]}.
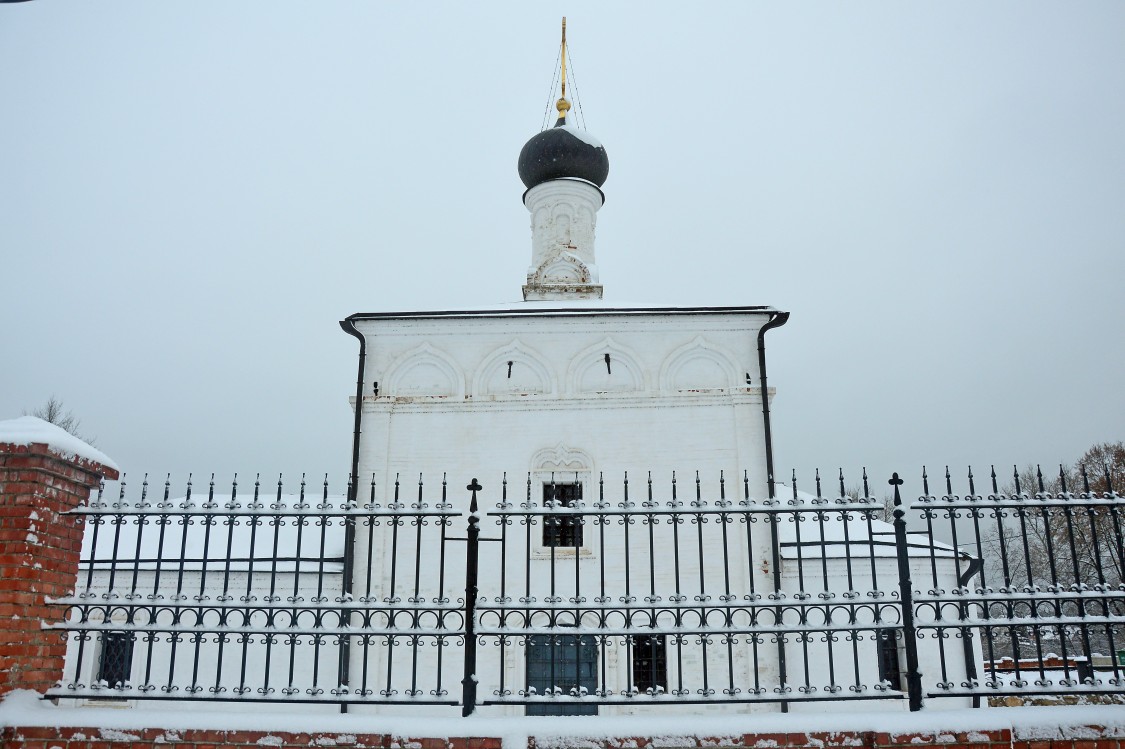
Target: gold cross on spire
{"points": [[562, 104]]}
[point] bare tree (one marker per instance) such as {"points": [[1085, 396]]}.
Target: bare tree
{"points": [[883, 508], [56, 413], [1055, 535], [1104, 468]]}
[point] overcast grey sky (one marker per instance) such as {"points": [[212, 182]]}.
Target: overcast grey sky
{"points": [[193, 194]]}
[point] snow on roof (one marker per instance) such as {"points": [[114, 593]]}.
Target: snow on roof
{"points": [[572, 306], [581, 135], [830, 538], [194, 544], [31, 430]]}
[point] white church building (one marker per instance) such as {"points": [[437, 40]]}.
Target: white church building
{"points": [[564, 381], [626, 501]]}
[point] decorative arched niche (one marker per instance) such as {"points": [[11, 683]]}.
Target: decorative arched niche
{"points": [[425, 371], [698, 366], [605, 367], [561, 266], [561, 477], [561, 460], [513, 370]]}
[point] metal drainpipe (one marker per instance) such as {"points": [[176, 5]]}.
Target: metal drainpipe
{"points": [[348, 326], [776, 321]]}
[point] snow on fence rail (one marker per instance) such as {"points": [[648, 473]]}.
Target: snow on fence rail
{"points": [[579, 595]]}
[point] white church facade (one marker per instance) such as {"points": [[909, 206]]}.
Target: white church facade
{"points": [[631, 539], [563, 372]]}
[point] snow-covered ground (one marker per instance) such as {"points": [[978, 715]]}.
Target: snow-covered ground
{"points": [[25, 709]]}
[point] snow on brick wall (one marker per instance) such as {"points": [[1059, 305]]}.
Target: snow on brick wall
{"points": [[29, 722], [1084, 737], [39, 549]]}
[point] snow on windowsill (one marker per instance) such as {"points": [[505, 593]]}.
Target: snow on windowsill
{"points": [[30, 430]]}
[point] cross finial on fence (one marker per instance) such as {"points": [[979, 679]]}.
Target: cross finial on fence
{"points": [[474, 487], [896, 482]]}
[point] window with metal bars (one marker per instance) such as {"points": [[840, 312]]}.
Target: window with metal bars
{"points": [[116, 659], [650, 663], [562, 530], [889, 670]]}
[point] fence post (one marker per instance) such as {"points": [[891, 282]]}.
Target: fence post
{"points": [[469, 682], [43, 473], [345, 665], [906, 597]]}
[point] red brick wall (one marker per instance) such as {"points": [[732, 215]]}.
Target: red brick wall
{"points": [[93, 738], [993, 739], [39, 550]]}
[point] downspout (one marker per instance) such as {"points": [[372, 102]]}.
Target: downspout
{"points": [[348, 326], [776, 321]]}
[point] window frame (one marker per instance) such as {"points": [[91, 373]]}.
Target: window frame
{"points": [[115, 659], [562, 531], [654, 668], [889, 654]]}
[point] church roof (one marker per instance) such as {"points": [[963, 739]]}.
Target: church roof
{"points": [[226, 546], [563, 152], [571, 308]]}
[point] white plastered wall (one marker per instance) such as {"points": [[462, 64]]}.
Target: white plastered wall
{"points": [[674, 395], [679, 393]]}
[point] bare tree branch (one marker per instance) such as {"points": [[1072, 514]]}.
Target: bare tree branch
{"points": [[56, 413]]}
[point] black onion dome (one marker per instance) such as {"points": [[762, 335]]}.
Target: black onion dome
{"points": [[560, 152]]}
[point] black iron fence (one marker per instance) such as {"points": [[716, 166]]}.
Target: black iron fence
{"points": [[571, 593]]}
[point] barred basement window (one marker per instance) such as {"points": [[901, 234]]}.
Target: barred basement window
{"points": [[117, 659], [562, 530], [888, 658], [650, 663]]}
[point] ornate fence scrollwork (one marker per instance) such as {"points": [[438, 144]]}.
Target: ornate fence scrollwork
{"points": [[592, 594]]}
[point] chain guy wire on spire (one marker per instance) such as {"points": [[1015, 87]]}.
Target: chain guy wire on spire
{"points": [[551, 92], [574, 85], [559, 83]]}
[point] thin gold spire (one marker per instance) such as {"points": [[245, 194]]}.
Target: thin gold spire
{"points": [[562, 104]]}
